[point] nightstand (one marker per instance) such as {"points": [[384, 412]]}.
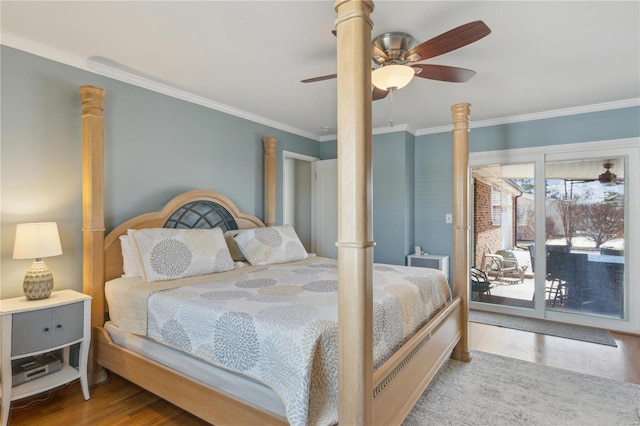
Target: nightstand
{"points": [[31, 328], [434, 261]]}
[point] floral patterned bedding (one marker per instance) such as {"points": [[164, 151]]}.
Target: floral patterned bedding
{"points": [[278, 324]]}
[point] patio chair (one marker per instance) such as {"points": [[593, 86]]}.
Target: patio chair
{"points": [[480, 283], [558, 276], [532, 255], [504, 266], [569, 286]]}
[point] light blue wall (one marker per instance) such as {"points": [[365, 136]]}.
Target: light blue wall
{"points": [[595, 126], [155, 147], [410, 211], [328, 150], [434, 193], [392, 197], [393, 172]]}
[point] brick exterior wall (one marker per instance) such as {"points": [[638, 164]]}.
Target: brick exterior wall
{"points": [[485, 234]]}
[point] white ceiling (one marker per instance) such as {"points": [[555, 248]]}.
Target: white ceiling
{"points": [[248, 58]]}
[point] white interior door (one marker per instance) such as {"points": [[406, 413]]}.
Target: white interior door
{"points": [[297, 190], [325, 210]]}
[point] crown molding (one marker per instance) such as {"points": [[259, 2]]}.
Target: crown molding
{"points": [[377, 131], [328, 138], [115, 73], [627, 103], [42, 50], [434, 130]]}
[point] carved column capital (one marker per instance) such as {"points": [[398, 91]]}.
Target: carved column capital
{"points": [[460, 114], [92, 99], [270, 143]]}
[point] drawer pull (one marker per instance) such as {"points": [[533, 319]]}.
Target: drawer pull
{"points": [[46, 329], [59, 326]]}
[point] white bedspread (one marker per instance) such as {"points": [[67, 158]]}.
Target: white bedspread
{"points": [[278, 324]]}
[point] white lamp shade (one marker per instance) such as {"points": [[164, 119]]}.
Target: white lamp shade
{"points": [[392, 76], [37, 240]]}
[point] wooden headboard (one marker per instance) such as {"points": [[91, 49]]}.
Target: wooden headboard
{"points": [[113, 250]]}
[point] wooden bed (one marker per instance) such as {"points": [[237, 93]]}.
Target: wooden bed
{"points": [[382, 397]]}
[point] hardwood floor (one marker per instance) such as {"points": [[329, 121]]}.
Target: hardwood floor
{"points": [[619, 363], [119, 402]]}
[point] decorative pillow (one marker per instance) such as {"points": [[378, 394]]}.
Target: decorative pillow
{"points": [[168, 253], [236, 254], [276, 244], [130, 258]]}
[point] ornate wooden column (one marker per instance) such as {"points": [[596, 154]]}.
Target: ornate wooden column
{"points": [[269, 180], [93, 211], [460, 114], [355, 230]]}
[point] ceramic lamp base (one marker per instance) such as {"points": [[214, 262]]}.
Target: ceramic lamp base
{"points": [[38, 282]]}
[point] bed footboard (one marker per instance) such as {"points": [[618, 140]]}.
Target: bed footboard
{"points": [[400, 381], [187, 393]]}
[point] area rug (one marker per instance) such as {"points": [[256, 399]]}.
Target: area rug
{"points": [[551, 328], [499, 391]]}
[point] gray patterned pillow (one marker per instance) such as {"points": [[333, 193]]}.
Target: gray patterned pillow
{"points": [[168, 254], [275, 244]]}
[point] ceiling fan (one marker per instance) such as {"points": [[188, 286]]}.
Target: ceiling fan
{"points": [[608, 177], [396, 55]]}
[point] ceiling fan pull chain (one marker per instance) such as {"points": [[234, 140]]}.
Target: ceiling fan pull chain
{"points": [[391, 99]]}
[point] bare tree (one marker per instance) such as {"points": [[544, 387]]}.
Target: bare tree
{"points": [[566, 210], [600, 222], [552, 229]]}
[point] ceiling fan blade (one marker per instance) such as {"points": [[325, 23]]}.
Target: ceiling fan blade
{"points": [[451, 40], [443, 73], [378, 55], [378, 94], [324, 77]]}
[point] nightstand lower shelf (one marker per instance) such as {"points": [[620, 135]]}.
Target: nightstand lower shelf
{"points": [[45, 383]]}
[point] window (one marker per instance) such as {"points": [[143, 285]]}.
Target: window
{"points": [[496, 207]]}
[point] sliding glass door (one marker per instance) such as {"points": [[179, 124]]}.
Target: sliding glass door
{"points": [[585, 236], [552, 233]]}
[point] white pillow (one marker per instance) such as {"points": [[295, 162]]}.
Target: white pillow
{"points": [[236, 254], [130, 258], [276, 244], [168, 253]]}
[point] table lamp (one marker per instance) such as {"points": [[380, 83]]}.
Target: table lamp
{"points": [[35, 241]]}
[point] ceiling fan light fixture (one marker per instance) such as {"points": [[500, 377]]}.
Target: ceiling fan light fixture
{"points": [[392, 77]]}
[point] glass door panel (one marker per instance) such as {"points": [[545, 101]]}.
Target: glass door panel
{"points": [[584, 229], [503, 232]]}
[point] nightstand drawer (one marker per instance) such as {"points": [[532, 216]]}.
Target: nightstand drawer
{"points": [[68, 321], [39, 330]]}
